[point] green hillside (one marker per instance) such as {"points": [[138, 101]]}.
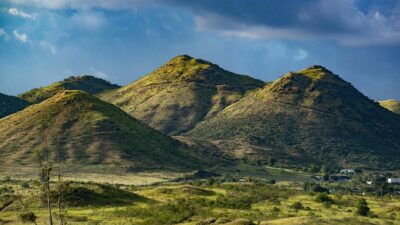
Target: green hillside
{"points": [[90, 132], [308, 117], [87, 83], [10, 105], [391, 105], [180, 94]]}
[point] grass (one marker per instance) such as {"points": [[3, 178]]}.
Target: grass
{"points": [[91, 132], [87, 83], [391, 105], [180, 94], [307, 117], [197, 202]]}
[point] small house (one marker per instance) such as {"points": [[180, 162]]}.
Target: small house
{"points": [[346, 171], [393, 180]]}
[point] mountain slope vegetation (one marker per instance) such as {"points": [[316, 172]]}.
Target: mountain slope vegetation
{"points": [[11, 104], [88, 131], [87, 83], [180, 94], [308, 117], [391, 104]]}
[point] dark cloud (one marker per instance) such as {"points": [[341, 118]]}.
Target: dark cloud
{"points": [[349, 22]]}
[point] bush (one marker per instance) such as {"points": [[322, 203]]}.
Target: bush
{"points": [[25, 185], [27, 217], [320, 189], [6, 189], [362, 207], [323, 197], [297, 206]]}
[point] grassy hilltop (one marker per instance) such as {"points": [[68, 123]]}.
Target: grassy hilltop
{"points": [[90, 132], [87, 83], [306, 117], [180, 94]]}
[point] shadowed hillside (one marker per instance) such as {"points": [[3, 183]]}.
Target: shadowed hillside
{"points": [[180, 94], [90, 132], [87, 83], [308, 117], [11, 104]]}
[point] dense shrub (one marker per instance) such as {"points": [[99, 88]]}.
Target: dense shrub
{"points": [[323, 197], [27, 217], [362, 207], [173, 212], [297, 206]]}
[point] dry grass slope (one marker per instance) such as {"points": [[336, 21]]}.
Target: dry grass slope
{"points": [[307, 117], [91, 132], [180, 94]]}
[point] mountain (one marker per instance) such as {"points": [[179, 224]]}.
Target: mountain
{"points": [[10, 105], [307, 117], [180, 94], [90, 132], [391, 105], [87, 83]]}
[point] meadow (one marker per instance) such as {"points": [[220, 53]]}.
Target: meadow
{"points": [[223, 200]]}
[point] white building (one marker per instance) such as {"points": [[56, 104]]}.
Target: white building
{"points": [[393, 180], [348, 171]]}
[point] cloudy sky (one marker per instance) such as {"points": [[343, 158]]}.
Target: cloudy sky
{"points": [[43, 41]]}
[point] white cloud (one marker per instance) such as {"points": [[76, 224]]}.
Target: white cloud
{"points": [[98, 73], [20, 36], [84, 4], [300, 55], [47, 45], [89, 20], [2, 32], [16, 12]]}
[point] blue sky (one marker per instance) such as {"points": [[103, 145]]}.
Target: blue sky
{"points": [[43, 41]]}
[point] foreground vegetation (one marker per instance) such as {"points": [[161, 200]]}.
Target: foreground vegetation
{"points": [[221, 200]]}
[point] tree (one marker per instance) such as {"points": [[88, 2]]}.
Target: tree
{"points": [[362, 207], [272, 161]]}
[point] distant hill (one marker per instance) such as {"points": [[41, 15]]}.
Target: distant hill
{"points": [[391, 104], [307, 117], [90, 132], [180, 94], [87, 83], [11, 104]]}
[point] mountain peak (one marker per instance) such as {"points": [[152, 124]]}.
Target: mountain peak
{"points": [[91, 132], [184, 68], [310, 79], [87, 83]]}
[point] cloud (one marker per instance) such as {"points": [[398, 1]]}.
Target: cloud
{"points": [[84, 4], [89, 20], [20, 36], [300, 55], [16, 12], [2, 32], [98, 73], [348, 22], [47, 45]]}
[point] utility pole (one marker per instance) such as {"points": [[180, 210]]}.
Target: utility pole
{"points": [[47, 169], [59, 180]]}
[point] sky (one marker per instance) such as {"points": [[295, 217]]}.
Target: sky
{"points": [[43, 41]]}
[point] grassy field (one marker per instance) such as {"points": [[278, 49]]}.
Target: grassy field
{"points": [[201, 202]]}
